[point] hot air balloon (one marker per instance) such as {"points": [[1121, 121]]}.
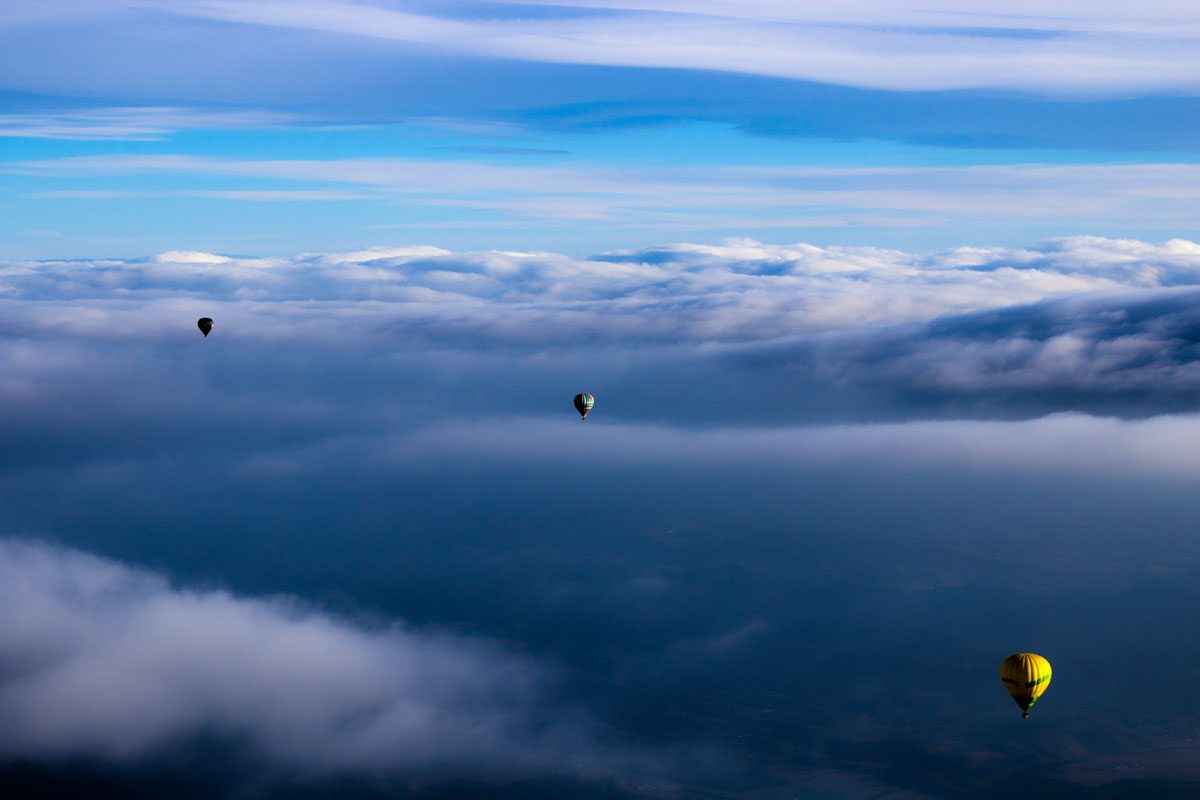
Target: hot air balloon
{"points": [[205, 326], [1025, 676], [583, 404]]}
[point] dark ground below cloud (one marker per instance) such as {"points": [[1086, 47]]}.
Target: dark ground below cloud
{"points": [[30, 781]]}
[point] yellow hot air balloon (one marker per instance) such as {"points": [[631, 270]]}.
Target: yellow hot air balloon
{"points": [[1025, 676]]}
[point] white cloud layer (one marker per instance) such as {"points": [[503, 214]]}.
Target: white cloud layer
{"points": [[751, 333], [1059, 444], [101, 660], [739, 291]]}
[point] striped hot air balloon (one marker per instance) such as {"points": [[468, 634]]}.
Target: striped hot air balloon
{"points": [[583, 404], [1025, 676]]}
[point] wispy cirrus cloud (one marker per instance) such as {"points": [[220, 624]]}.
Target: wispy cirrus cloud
{"points": [[254, 195], [1157, 196], [966, 16], [939, 47], [138, 124], [1059, 47]]}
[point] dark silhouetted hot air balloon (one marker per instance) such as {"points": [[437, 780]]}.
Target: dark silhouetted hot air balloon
{"points": [[205, 326], [583, 404], [1025, 676]]}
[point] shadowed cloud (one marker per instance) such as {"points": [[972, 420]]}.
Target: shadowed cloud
{"points": [[100, 660]]}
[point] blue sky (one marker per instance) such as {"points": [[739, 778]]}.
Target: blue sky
{"points": [[891, 312], [319, 126]]}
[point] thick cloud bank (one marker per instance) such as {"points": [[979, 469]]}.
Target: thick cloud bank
{"points": [[100, 660], [750, 333], [739, 291]]}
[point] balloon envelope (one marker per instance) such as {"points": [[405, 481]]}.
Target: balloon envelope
{"points": [[1025, 676], [205, 325], [584, 403]]}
